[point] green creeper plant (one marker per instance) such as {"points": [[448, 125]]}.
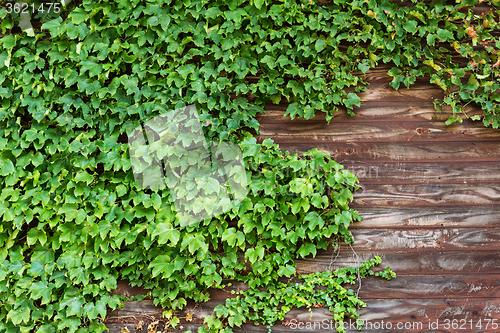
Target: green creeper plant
{"points": [[73, 219], [268, 306]]}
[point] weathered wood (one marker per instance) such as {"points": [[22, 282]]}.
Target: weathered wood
{"points": [[403, 262], [371, 111], [432, 286], [451, 262], [427, 240], [418, 93], [125, 289], [377, 132], [416, 314], [428, 217], [423, 92], [427, 195], [379, 75], [425, 173], [355, 153]]}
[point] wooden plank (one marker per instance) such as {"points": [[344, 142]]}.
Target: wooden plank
{"points": [[432, 286], [423, 92], [379, 75], [377, 132], [429, 217], [125, 289], [403, 263], [356, 153], [134, 312], [417, 314], [407, 263], [426, 240], [370, 111], [427, 195], [437, 315], [425, 173]]}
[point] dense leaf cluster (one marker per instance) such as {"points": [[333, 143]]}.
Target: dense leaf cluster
{"points": [[73, 219], [321, 289]]}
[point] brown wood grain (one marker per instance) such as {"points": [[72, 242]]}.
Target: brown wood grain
{"points": [[402, 262], [416, 195], [432, 286], [377, 132], [425, 173], [417, 93], [386, 152], [427, 240], [417, 314], [407, 263], [369, 111], [429, 217]]}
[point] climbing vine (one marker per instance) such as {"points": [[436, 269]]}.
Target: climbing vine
{"points": [[268, 306], [75, 81]]}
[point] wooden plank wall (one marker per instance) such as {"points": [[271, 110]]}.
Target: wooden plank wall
{"points": [[430, 205]]}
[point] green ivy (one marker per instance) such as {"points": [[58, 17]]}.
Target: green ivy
{"points": [[73, 219], [321, 289]]}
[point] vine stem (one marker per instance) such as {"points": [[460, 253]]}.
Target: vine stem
{"points": [[356, 256], [333, 260]]}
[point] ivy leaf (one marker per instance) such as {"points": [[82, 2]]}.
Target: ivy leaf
{"points": [[165, 233], [286, 271], [54, 26], [212, 12], [75, 306], [6, 166], [70, 323], [364, 68], [445, 35], [35, 235], [250, 149], [211, 186], [78, 15], [185, 70], [254, 254], [99, 212], [159, 265], [90, 310], [100, 307], [235, 15], [307, 249], [269, 61], [84, 176], [19, 315], [41, 289], [345, 218], [194, 243], [320, 45], [276, 99], [8, 42], [165, 21], [314, 220], [69, 211], [121, 190], [352, 99], [231, 236], [431, 38], [411, 26]]}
